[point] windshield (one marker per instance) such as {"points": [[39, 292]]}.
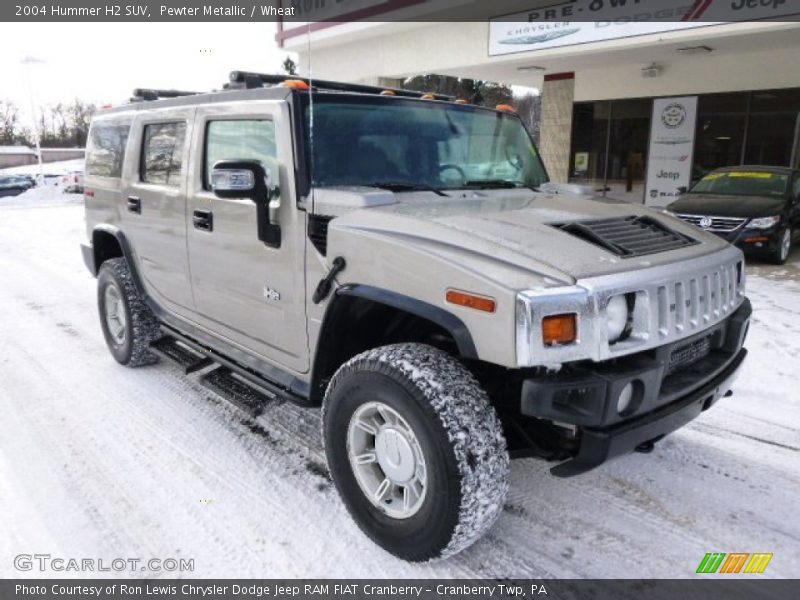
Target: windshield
{"points": [[408, 144], [743, 183]]}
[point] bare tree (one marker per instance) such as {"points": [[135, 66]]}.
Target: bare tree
{"points": [[475, 91], [289, 66], [11, 131], [529, 108], [65, 125]]}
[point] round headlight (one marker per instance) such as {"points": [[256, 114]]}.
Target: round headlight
{"points": [[616, 317]]}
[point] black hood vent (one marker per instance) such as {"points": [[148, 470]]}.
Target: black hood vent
{"points": [[628, 237]]}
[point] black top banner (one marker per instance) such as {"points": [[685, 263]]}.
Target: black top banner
{"points": [[315, 11]]}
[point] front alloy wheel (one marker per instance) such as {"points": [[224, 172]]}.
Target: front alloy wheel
{"points": [[387, 460]]}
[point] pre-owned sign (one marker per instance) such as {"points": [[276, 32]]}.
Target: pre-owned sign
{"points": [[669, 163]]}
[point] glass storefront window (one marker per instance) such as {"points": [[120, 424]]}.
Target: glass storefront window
{"points": [[610, 138], [589, 141], [770, 139], [627, 148], [717, 143]]}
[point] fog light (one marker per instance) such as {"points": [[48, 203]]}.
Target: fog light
{"points": [[626, 399]]}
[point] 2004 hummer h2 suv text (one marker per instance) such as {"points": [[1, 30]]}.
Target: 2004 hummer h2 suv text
{"points": [[401, 261]]}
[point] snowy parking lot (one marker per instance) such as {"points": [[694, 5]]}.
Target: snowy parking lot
{"points": [[101, 461]]}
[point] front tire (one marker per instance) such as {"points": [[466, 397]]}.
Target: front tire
{"points": [[781, 255], [128, 324], [415, 450]]}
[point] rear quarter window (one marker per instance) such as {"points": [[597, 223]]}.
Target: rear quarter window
{"points": [[105, 152], [162, 153]]}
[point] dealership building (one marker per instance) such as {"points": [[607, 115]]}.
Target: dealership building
{"points": [[635, 104]]}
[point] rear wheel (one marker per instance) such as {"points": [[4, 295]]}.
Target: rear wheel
{"points": [[128, 324], [781, 254], [415, 449]]}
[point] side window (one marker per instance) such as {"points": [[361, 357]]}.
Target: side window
{"points": [[796, 188], [239, 139], [105, 152], [162, 152]]}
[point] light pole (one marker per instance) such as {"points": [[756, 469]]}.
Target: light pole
{"points": [[27, 61]]}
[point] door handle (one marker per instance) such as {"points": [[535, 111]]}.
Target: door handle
{"points": [[203, 220], [135, 204]]}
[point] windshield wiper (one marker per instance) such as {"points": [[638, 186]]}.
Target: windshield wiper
{"points": [[484, 184], [397, 186]]}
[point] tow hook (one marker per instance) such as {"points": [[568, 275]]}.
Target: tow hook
{"points": [[325, 285]]}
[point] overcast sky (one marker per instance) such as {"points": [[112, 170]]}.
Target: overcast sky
{"points": [[103, 62]]}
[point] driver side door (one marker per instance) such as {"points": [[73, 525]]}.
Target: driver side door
{"points": [[247, 293]]}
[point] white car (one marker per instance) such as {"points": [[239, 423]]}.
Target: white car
{"points": [[73, 182]]}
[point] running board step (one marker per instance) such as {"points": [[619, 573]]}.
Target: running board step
{"points": [[244, 395], [189, 360]]}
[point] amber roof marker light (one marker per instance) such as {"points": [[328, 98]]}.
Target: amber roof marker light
{"points": [[469, 300], [296, 84]]}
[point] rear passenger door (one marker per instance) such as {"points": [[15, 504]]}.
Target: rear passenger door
{"points": [[154, 205], [248, 293]]}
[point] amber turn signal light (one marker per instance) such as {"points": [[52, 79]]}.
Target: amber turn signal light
{"points": [[428, 97], [471, 300], [505, 108], [560, 329]]}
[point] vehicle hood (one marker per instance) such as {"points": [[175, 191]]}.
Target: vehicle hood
{"points": [[514, 231], [721, 205]]}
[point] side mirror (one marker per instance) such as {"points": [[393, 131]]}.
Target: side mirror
{"points": [[233, 179]]}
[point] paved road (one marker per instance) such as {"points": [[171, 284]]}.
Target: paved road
{"points": [[100, 461]]}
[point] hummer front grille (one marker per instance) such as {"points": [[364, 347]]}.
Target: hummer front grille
{"points": [[695, 302], [717, 224]]}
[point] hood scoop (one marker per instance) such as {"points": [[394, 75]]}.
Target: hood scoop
{"points": [[628, 237]]}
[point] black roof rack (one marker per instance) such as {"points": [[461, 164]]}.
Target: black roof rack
{"points": [[148, 94], [248, 80]]}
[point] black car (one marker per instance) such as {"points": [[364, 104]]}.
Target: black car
{"points": [[13, 185], [756, 208]]}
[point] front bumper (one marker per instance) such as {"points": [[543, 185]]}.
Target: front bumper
{"points": [[754, 241], [668, 395]]}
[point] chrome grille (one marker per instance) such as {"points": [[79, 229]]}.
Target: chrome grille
{"points": [[718, 224], [695, 302]]}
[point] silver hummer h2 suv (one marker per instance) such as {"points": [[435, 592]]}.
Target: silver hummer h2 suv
{"points": [[401, 261]]}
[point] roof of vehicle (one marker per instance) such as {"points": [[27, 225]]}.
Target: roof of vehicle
{"points": [[245, 86]]}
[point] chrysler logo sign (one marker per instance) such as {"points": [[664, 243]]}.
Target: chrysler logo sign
{"points": [[673, 115]]}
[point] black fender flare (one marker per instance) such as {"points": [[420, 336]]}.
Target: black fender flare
{"points": [[445, 319], [92, 259], [439, 316]]}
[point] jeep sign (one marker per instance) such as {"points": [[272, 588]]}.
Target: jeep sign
{"points": [[669, 164]]}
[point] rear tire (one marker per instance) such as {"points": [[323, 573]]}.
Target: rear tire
{"points": [[432, 476], [129, 326]]}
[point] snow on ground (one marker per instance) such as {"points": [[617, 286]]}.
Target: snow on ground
{"points": [[101, 461]]}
